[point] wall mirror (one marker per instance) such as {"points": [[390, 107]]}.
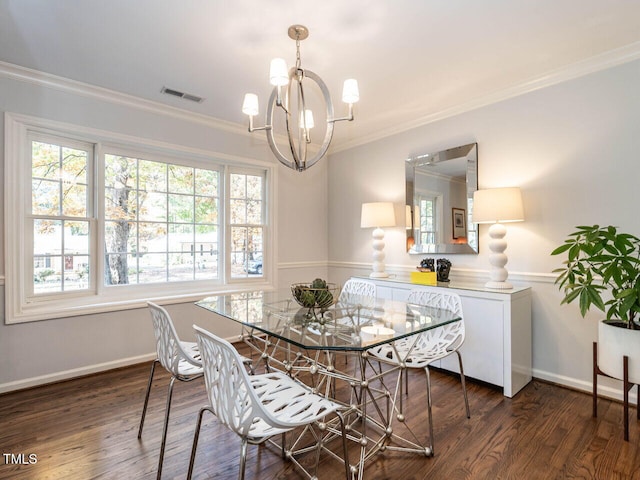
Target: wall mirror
{"points": [[439, 201]]}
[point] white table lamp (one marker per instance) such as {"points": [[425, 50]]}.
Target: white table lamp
{"points": [[498, 206], [377, 215]]}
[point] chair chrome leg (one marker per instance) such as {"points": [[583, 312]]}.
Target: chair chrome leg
{"points": [[146, 398], [243, 458], [464, 385], [345, 453], [164, 428], [196, 435], [406, 381], [284, 441], [431, 442]]}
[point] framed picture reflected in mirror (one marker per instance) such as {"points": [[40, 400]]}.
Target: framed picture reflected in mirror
{"points": [[459, 223]]}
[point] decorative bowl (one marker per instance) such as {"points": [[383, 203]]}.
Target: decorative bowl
{"points": [[309, 297]]}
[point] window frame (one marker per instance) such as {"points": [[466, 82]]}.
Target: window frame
{"points": [[110, 149], [30, 295], [229, 226], [19, 307], [437, 217]]}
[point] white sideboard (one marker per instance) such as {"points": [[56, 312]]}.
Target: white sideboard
{"points": [[497, 346]]}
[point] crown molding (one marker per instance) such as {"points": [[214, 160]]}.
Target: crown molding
{"points": [[47, 80], [593, 64], [584, 67]]}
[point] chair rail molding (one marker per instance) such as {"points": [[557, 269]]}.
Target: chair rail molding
{"points": [[296, 265], [460, 273]]}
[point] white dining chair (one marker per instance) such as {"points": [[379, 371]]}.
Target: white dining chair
{"points": [[360, 294], [357, 289], [430, 345], [180, 359], [257, 407]]}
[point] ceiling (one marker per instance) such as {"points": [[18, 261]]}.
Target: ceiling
{"points": [[415, 60]]}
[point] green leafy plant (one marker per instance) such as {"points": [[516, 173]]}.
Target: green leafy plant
{"points": [[601, 261]]}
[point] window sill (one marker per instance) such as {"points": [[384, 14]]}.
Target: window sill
{"points": [[92, 305]]}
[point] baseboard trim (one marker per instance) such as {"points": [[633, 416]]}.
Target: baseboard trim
{"points": [[560, 380], [73, 373], [605, 391], [81, 371]]}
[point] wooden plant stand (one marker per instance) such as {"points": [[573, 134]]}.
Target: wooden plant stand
{"points": [[626, 387]]}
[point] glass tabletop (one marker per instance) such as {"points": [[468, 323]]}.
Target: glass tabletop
{"points": [[354, 323]]}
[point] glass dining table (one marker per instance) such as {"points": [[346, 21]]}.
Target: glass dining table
{"points": [[328, 350]]}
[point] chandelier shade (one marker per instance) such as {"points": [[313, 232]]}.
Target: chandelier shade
{"points": [[250, 104], [350, 93], [288, 97], [278, 73]]}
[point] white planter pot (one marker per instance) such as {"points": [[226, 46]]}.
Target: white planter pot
{"points": [[613, 344]]}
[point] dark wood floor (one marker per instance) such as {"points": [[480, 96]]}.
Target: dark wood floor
{"points": [[87, 429]]}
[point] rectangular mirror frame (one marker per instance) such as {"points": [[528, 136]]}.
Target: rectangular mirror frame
{"points": [[448, 171]]}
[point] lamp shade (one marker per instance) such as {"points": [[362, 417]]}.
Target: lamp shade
{"points": [[498, 205], [377, 214]]}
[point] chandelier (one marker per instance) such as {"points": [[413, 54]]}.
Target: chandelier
{"points": [[300, 122]]}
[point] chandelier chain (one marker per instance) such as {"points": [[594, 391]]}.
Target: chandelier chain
{"points": [[298, 61]]}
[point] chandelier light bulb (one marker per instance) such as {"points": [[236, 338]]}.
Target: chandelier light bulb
{"points": [[350, 93], [278, 73], [308, 116], [250, 104]]}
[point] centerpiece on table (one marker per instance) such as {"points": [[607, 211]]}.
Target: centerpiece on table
{"points": [[316, 296]]}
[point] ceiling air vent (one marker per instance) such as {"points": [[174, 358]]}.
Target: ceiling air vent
{"points": [[179, 94]]}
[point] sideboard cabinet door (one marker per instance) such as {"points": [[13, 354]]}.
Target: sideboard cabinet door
{"points": [[482, 351]]}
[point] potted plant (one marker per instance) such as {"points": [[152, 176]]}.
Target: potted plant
{"points": [[602, 270]]}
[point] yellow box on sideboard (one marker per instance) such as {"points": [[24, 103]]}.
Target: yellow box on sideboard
{"points": [[424, 278]]}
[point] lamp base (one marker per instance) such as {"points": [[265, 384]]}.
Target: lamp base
{"points": [[378, 275], [497, 258], [378, 254], [498, 285]]}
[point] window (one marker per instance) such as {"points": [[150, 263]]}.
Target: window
{"points": [[428, 220], [246, 207], [161, 222], [431, 217], [60, 215], [105, 225]]}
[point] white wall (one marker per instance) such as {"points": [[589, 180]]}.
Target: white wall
{"points": [[48, 350], [573, 148]]}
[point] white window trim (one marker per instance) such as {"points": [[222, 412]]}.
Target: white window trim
{"points": [[18, 310], [90, 217], [227, 231], [437, 198]]}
